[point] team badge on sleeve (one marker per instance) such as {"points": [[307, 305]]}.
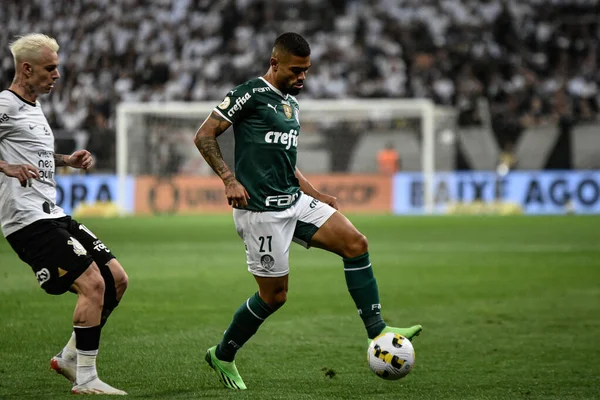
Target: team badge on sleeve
{"points": [[225, 103]]}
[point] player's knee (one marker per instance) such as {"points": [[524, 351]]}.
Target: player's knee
{"points": [[277, 299], [96, 290], [91, 284], [356, 246], [121, 281], [121, 284]]}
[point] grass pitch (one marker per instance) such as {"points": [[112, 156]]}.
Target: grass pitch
{"points": [[510, 308]]}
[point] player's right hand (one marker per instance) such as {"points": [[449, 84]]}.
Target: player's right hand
{"points": [[23, 172], [237, 196]]}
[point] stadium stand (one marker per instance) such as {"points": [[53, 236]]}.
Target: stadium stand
{"points": [[535, 61]]}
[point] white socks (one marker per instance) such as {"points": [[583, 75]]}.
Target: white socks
{"points": [[86, 365], [69, 352]]}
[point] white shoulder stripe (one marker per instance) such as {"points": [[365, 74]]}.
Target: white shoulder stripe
{"points": [[222, 115]]}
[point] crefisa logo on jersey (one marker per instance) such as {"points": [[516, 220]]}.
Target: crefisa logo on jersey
{"points": [[239, 102], [288, 139]]}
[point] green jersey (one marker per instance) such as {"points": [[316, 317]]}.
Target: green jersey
{"points": [[266, 126]]}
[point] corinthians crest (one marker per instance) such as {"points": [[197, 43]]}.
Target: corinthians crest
{"points": [[77, 247], [287, 110]]}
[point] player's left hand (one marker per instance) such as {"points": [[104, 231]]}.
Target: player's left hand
{"points": [[80, 159], [327, 199]]}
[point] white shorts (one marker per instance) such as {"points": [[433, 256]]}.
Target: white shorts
{"points": [[268, 235]]}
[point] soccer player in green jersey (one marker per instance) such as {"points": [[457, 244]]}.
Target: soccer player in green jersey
{"points": [[273, 203]]}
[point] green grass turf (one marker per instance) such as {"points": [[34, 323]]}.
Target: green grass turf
{"points": [[510, 308]]}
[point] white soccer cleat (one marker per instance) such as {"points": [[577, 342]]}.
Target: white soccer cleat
{"points": [[64, 366], [96, 386]]}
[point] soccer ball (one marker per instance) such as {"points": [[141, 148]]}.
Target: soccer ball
{"points": [[391, 356]]}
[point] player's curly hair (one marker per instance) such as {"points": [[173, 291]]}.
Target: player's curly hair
{"points": [[292, 43]]}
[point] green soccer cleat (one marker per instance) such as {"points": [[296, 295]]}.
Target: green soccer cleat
{"points": [[226, 371], [408, 333]]}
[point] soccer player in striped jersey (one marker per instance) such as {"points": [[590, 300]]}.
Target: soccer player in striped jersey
{"points": [[63, 254]]}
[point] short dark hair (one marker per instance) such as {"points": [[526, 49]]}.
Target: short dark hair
{"points": [[292, 43]]}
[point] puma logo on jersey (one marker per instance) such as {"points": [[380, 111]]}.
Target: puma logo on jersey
{"points": [[239, 102], [273, 107], [288, 139]]}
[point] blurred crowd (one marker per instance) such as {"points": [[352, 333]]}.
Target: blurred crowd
{"points": [[534, 61]]}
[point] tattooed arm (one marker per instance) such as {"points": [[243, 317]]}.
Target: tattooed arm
{"points": [[60, 160], [206, 142], [80, 159]]}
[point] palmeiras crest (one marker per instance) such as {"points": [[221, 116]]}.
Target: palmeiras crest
{"points": [[267, 262]]}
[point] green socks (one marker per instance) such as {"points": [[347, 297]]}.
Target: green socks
{"points": [[252, 313], [246, 321], [363, 289]]}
